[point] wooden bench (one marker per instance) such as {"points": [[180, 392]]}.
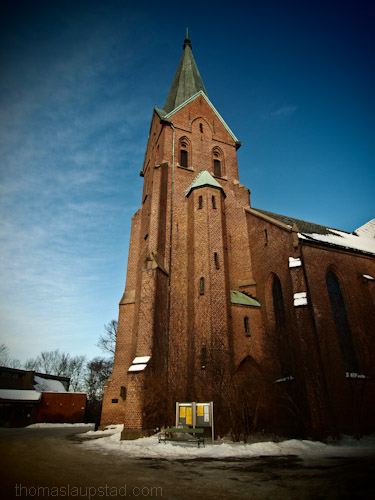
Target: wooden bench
{"points": [[187, 435]]}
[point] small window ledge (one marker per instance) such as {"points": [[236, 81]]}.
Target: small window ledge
{"points": [[284, 379], [355, 375]]}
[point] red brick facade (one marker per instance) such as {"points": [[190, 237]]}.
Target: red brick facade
{"points": [[188, 250]]}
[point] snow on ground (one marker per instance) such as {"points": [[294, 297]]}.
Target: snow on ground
{"points": [[149, 447], [111, 429], [46, 425]]}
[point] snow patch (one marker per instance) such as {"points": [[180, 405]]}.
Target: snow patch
{"points": [[137, 368], [367, 230], [141, 360], [149, 447], [45, 425], [354, 375], [342, 239], [285, 379], [48, 385], [300, 299], [108, 431], [295, 262], [368, 277], [20, 395]]}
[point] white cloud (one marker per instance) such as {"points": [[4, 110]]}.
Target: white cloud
{"points": [[283, 112], [279, 113], [71, 155]]}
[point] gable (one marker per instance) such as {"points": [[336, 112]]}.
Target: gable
{"points": [[168, 116]]}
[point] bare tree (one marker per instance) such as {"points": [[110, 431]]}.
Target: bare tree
{"points": [[60, 364], [6, 359], [97, 372], [107, 341]]}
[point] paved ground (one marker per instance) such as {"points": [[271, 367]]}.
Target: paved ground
{"points": [[52, 463]]}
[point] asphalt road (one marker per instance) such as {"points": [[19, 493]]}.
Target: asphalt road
{"points": [[52, 463]]}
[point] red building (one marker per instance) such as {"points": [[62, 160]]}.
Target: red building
{"points": [[270, 317], [28, 397]]}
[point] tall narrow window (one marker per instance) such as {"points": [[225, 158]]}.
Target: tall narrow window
{"points": [[183, 158], [217, 168], [247, 326], [216, 259], [278, 304], [203, 358], [218, 162], [185, 151], [201, 286], [201, 127], [213, 202], [200, 202], [341, 322]]}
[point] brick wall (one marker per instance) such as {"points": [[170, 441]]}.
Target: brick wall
{"points": [[189, 334]]}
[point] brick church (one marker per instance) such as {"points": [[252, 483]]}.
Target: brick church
{"points": [[270, 317]]}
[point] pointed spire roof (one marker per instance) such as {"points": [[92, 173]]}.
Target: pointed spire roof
{"points": [[187, 80]]}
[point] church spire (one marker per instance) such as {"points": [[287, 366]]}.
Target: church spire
{"points": [[187, 80]]}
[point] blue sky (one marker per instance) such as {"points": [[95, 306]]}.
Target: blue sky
{"points": [[294, 80]]}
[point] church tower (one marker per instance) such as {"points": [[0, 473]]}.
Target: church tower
{"points": [[255, 311], [188, 264]]}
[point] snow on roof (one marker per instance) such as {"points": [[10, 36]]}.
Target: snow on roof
{"points": [[48, 385], [20, 395], [342, 239], [362, 239], [367, 230], [295, 262], [137, 368], [300, 299], [141, 360]]}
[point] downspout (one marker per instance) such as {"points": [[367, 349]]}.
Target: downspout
{"points": [[167, 122]]}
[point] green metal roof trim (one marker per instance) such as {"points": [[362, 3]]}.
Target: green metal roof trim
{"points": [[203, 179], [162, 113], [243, 299]]}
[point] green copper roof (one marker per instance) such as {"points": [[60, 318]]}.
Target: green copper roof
{"points": [[187, 80], [243, 299], [203, 179]]}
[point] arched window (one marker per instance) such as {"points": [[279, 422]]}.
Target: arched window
{"points": [[278, 304], [183, 158], [218, 162], [184, 152], [217, 167], [341, 322]]}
